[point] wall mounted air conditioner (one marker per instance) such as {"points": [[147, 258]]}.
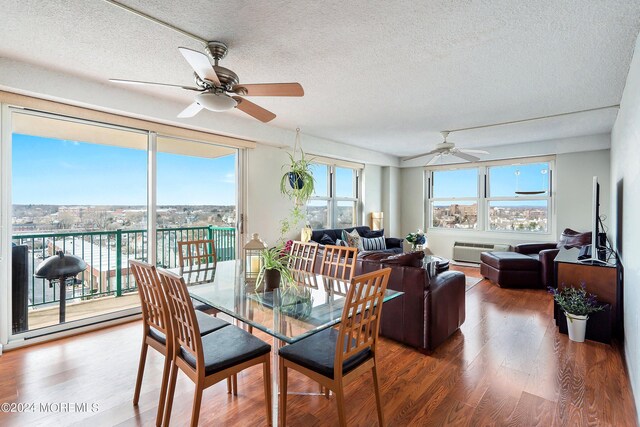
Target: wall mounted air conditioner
{"points": [[470, 252]]}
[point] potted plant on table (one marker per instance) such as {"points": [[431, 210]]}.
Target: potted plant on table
{"points": [[577, 304], [275, 268], [417, 240]]}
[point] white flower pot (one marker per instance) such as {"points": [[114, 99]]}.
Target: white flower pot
{"points": [[577, 326]]}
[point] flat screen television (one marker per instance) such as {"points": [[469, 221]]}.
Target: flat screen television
{"points": [[596, 253]]}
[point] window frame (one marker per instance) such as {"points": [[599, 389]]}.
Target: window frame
{"points": [[332, 199], [484, 198], [431, 200]]}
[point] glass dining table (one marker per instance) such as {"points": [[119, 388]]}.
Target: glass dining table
{"points": [[288, 314]]}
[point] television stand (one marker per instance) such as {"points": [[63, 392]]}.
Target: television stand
{"points": [[585, 256]]}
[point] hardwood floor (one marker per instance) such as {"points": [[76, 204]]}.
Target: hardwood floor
{"points": [[508, 366]]}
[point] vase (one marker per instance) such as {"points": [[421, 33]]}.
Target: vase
{"points": [[577, 326], [271, 279], [295, 180]]}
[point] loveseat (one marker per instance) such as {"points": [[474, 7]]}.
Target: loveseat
{"points": [[329, 236]]}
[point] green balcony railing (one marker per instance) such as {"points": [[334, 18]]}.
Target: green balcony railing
{"points": [[107, 254]]}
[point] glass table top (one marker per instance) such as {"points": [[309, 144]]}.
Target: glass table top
{"points": [[288, 313]]}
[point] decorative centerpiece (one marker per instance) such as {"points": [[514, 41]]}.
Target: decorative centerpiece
{"points": [[417, 240], [577, 304], [275, 268]]}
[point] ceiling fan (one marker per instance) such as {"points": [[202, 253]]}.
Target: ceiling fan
{"points": [[219, 87], [448, 149]]}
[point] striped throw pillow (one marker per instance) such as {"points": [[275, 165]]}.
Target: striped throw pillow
{"points": [[374, 244]]}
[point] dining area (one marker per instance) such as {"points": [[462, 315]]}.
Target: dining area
{"points": [[211, 321]]}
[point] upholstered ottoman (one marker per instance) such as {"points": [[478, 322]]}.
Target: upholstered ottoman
{"points": [[511, 269]]}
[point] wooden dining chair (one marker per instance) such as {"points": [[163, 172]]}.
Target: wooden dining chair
{"points": [[339, 261], [303, 256], [194, 254], [337, 357], [156, 324], [211, 358]]}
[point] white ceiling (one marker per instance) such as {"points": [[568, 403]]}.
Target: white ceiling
{"points": [[386, 76]]}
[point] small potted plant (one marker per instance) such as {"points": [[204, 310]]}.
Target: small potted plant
{"points": [[274, 268], [577, 304], [416, 239]]}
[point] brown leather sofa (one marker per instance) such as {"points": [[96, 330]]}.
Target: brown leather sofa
{"points": [[431, 309], [545, 253]]}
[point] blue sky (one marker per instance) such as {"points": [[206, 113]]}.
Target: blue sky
{"points": [[503, 181], [44, 171]]}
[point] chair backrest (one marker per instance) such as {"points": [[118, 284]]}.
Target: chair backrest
{"points": [[339, 261], [303, 256], [186, 331], [155, 312], [361, 316], [192, 253]]}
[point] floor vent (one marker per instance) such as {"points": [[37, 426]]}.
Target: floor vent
{"points": [[470, 252]]}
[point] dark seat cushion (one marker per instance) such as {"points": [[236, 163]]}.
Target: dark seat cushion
{"points": [[411, 259], [206, 323], [227, 347], [318, 351], [509, 261], [201, 306]]}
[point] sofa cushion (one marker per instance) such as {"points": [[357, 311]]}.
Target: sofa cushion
{"points": [[374, 244], [353, 239], [573, 239], [374, 233], [327, 240], [509, 261], [411, 259]]}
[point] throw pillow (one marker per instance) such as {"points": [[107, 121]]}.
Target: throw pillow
{"points": [[327, 240], [374, 244], [574, 239], [411, 259], [374, 233], [353, 239], [341, 242]]}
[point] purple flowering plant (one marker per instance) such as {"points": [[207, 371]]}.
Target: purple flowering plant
{"points": [[576, 300]]}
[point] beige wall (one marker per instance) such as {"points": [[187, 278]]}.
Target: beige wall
{"points": [[625, 225]]}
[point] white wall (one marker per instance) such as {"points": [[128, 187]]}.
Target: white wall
{"points": [[391, 200], [572, 198], [625, 225], [371, 191]]}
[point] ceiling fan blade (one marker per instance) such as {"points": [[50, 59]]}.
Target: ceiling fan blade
{"points": [[254, 110], [200, 64], [406, 159], [269, 89], [465, 156], [190, 111], [434, 159], [135, 82], [464, 150]]}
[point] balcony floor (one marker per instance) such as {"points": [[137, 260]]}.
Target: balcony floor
{"points": [[48, 316]]}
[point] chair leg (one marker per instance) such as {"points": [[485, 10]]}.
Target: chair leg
{"points": [[234, 380], [170, 392], [342, 418], [376, 386], [143, 359], [197, 401], [283, 392], [163, 389], [266, 375]]}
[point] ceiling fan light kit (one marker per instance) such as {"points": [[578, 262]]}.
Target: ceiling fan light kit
{"points": [[216, 101]]}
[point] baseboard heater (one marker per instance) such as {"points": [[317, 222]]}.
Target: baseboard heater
{"points": [[470, 252]]}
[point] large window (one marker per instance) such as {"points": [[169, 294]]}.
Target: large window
{"points": [[336, 200], [494, 196]]}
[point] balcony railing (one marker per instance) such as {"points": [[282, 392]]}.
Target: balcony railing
{"points": [[107, 254]]}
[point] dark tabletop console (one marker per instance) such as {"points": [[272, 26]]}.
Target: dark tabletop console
{"points": [[602, 279]]}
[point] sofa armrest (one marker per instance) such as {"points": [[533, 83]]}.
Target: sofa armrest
{"points": [[446, 307], [534, 248], [393, 242], [547, 257]]}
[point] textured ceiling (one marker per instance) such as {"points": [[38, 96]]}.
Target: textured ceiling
{"points": [[377, 74]]}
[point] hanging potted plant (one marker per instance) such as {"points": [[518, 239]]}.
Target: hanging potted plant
{"points": [[297, 182], [577, 304]]}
